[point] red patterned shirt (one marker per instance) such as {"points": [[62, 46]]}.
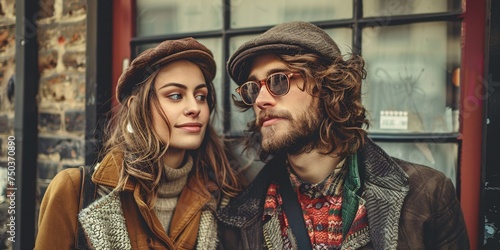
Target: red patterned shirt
{"points": [[322, 210]]}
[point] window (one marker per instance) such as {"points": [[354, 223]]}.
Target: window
{"points": [[412, 52]]}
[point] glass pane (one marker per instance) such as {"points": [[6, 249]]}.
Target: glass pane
{"points": [[215, 45], [404, 7], [160, 17], [264, 12], [412, 84], [239, 120], [440, 156], [343, 38]]}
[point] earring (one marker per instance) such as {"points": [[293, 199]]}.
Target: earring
{"points": [[129, 127]]}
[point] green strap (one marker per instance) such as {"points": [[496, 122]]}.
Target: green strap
{"points": [[350, 200]]}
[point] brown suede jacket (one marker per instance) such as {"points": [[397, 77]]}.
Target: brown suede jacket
{"points": [[409, 206], [58, 222]]}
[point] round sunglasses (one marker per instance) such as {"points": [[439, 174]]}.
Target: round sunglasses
{"points": [[278, 84]]}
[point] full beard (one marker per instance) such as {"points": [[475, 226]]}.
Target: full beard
{"points": [[302, 134]]}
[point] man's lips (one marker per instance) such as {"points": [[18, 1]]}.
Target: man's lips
{"points": [[268, 121], [269, 117], [190, 126]]}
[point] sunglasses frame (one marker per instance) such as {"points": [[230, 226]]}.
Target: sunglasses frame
{"points": [[264, 82]]}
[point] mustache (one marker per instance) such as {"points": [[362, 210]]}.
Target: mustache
{"points": [[270, 114]]}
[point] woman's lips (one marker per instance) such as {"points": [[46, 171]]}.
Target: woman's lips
{"points": [[190, 127]]}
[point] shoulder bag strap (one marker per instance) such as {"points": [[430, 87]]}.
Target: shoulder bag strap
{"points": [[292, 209], [87, 196]]}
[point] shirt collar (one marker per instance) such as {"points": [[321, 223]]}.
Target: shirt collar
{"points": [[331, 185]]}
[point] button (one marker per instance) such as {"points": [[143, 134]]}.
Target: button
{"points": [[319, 227], [319, 205], [304, 188]]}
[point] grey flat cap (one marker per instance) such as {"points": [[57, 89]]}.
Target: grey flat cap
{"points": [[288, 38]]}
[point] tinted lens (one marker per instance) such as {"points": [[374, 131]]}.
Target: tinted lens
{"points": [[249, 92], [278, 84]]}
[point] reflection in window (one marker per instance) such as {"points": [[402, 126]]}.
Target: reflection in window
{"points": [[246, 13], [440, 156], [160, 17], [410, 85]]}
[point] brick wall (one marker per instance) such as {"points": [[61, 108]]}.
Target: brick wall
{"points": [[61, 98]]}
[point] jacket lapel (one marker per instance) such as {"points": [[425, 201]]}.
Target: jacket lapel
{"points": [[244, 208], [187, 214], [385, 189], [104, 223]]}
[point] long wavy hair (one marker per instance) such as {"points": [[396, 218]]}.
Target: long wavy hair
{"points": [[143, 150], [338, 86]]}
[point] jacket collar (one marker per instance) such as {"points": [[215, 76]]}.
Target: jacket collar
{"points": [[107, 172]]}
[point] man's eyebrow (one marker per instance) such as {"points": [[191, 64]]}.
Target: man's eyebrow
{"points": [[269, 72]]}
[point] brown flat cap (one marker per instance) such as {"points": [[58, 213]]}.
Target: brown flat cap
{"points": [[288, 38], [154, 58]]}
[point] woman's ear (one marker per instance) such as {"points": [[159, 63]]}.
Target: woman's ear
{"points": [[130, 100]]}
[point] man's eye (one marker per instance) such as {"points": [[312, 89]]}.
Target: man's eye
{"points": [[175, 96]]}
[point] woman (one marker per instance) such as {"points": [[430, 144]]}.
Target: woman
{"points": [[164, 171]]}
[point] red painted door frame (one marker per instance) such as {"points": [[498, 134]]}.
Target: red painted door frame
{"points": [[472, 98], [123, 31]]}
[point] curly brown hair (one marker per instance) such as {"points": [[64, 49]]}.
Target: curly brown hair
{"points": [[338, 86]]}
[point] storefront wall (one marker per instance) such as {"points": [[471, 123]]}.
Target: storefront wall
{"points": [[425, 89], [424, 61]]}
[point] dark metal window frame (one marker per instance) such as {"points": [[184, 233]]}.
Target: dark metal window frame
{"points": [[25, 120], [357, 24]]}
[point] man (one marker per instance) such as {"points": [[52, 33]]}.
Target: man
{"points": [[327, 186]]}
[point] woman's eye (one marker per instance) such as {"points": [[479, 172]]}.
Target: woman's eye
{"points": [[201, 97], [175, 96]]}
